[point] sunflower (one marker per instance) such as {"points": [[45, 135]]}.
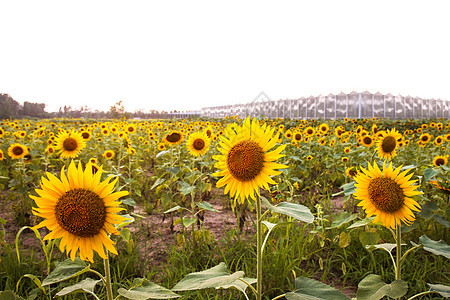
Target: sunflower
{"points": [[388, 143], [2, 156], [442, 186], [309, 157], [69, 143], [438, 140], [16, 151], [93, 160], [161, 147], [386, 194], [440, 161], [351, 172], [425, 138], [344, 159], [244, 163], [86, 135], [198, 143], [130, 128], [174, 138], [367, 141], [323, 128], [309, 131], [297, 137], [80, 210], [108, 154]]}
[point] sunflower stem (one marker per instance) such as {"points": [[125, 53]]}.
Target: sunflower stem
{"points": [[258, 250], [109, 293], [398, 232]]}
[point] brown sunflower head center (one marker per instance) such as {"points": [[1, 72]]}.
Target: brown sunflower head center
{"points": [[85, 135], [388, 144], [70, 144], [81, 212], [367, 140], [199, 144], [245, 160], [17, 150], [298, 137], [173, 137], [352, 172], [386, 195], [440, 161]]}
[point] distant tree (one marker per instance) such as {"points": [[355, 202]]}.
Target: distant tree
{"points": [[9, 108], [117, 111], [36, 110]]}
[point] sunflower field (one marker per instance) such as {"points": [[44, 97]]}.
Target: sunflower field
{"points": [[224, 209]]}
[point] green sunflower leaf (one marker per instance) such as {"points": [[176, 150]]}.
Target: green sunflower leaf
{"points": [[9, 295], [296, 211], [143, 289], [443, 290], [439, 248], [373, 288], [66, 270], [215, 277], [85, 286], [311, 289]]}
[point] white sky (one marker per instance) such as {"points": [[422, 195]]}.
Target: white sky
{"points": [[186, 55]]}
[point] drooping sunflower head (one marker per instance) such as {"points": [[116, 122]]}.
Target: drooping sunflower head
{"points": [[387, 194], [440, 161], [351, 172], [198, 143], [174, 138], [79, 209], [16, 151], [245, 163], [388, 143], [69, 143]]}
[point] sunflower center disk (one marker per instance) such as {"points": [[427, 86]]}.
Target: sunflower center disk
{"points": [[17, 150], [245, 160], [85, 135], [388, 145], [440, 162], [81, 212], [386, 195], [173, 137], [70, 144], [198, 144], [367, 140]]}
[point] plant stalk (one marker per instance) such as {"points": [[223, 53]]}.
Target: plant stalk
{"points": [[398, 233], [109, 293], [258, 250]]}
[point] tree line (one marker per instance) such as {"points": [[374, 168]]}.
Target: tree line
{"points": [[11, 109]]}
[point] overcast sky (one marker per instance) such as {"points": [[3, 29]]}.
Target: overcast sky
{"points": [[186, 55]]}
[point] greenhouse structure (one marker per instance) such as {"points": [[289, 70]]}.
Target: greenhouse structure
{"points": [[352, 105]]}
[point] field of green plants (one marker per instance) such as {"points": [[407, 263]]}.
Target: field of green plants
{"points": [[224, 209]]}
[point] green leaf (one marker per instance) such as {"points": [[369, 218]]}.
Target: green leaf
{"points": [[125, 234], [188, 221], [349, 188], [443, 290], [147, 290], [162, 153], [438, 248], [9, 295], [157, 182], [207, 206], [311, 289], [173, 209], [427, 209], [85, 286], [429, 173], [441, 220], [214, 277], [341, 219], [239, 285], [369, 238], [66, 270], [296, 211], [35, 279], [344, 239], [187, 189], [129, 201], [373, 288], [36, 233], [361, 223]]}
